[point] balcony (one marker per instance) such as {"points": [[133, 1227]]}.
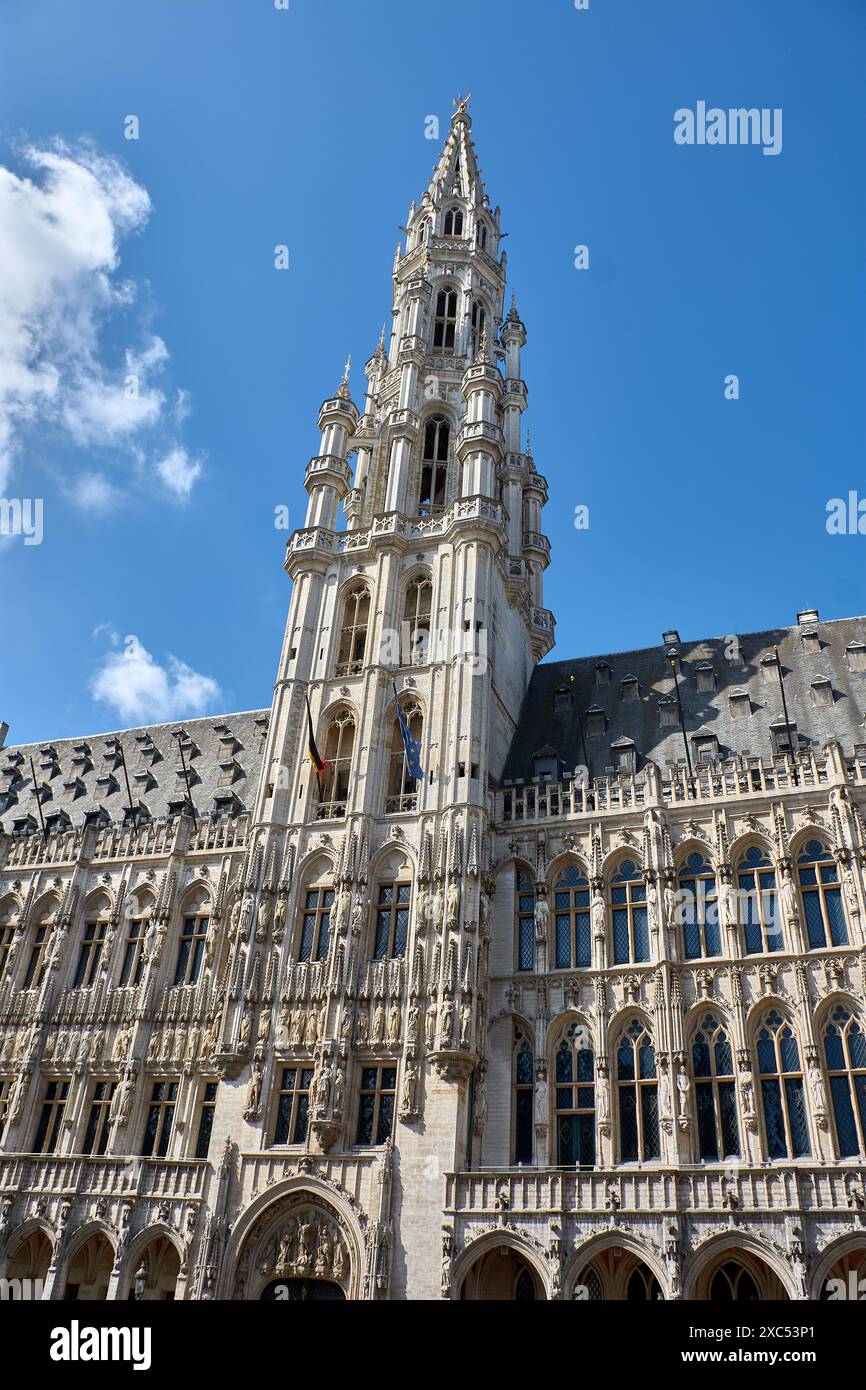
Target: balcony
{"points": [[83, 1176]]}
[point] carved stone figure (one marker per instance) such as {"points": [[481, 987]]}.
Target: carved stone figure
{"points": [[446, 1026], [684, 1085], [816, 1086], [452, 903], [430, 1025]]}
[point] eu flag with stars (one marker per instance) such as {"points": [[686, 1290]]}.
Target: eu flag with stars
{"points": [[410, 744]]}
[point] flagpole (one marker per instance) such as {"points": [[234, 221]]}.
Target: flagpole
{"points": [[785, 712], [673, 661], [38, 802], [178, 734], [134, 809]]}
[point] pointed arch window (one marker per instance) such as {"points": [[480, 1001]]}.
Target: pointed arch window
{"points": [[445, 321], [416, 615], [630, 925], [637, 1094], [392, 921], [574, 1070], [733, 1284], [524, 1097], [643, 1287], [191, 947], [478, 321], [821, 892], [38, 958], [525, 905], [402, 794], [90, 953], [715, 1091], [353, 631], [316, 922], [759, 915], [699, 909], [845, 1051], [8, 927], [481, 236], [571, 919], [453, 225], [782, 1097], [339, 751], [434, 466]]}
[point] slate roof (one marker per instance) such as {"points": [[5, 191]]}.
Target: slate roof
{"points": [[79, 777], [809, 652]]}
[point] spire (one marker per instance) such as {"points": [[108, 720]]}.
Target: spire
{"points": [[343, 388], [457, 170]]}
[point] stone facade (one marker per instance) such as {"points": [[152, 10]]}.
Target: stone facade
{"points": [[273, 1032]]}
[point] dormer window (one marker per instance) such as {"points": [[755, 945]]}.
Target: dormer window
{"points": [[705, 678], [453, 222], [811, 642], [595, 722], [784, 738], [629, 689], [740, 704], [602, 673], [822, 691], [668, 713], [545, 765], [770, 667], [706, 747], [562, 700], [856, 654], [624, 757]]}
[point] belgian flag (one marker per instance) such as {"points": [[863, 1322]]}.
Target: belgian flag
{"points": [[312, 751]]}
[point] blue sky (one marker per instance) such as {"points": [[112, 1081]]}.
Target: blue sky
{"points": [[260, 127]]}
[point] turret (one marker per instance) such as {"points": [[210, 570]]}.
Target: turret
{"points": [[328, 476]]}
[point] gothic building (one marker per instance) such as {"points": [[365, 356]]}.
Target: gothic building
{"points": [[579, 1014]]}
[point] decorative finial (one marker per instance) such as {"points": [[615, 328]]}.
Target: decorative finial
{"points": [[382, 338], [529, 443], [346, 370], [462, 104]]}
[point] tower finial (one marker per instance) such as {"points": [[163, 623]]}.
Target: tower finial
{"points": [[346, 370], [462, 104]]}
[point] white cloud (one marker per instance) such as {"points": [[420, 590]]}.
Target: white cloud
{"points": [[93, 493], [60, 235], [179, 472], [139, 690]]}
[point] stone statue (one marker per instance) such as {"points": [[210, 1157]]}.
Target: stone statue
{"points": [[542, 917], [539, 1105], [816, 1086], [684, 1085], [430, 1025], [664, 1094]]}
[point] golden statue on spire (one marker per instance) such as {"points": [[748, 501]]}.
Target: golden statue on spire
{"points": [[462, 103]]}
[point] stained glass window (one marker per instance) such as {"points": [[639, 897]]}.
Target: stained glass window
{"points": [[628, 904], [573, 936], [715, 1091], [759, 914], [699, 909], [821, 892], [637, 1094], [845, 1052], [785, 1121]]}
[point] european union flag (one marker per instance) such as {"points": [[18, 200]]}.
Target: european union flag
{"points": [[410, 744]]}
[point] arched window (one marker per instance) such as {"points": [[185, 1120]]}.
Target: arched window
{"points": [[423, 232], [191, 947], [92, 942], [630, 926], [715, 1091], [733, 1284], [392, 921], [643, 1287], [845, 1051], [353, 631], [8, 925], [453, 222], [445, 321], [571, 914], [590, 1285], [339, 749], [574, 1071], [699, 909], [524, 1095], [481, 236], [434, 466], [759, 914], [782, 1096], [822, 897], [37, 959], [525, 906], [316, 922], [132, 964], [416, 614], [637, 1089], [402, 792], [479, 318]]}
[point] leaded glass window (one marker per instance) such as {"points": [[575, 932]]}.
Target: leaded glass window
{"points": [[51, 1117], [160, 1119], [715, 1091], [637, 1088], [353, 631], [90, 954], [525, 920], [524, 1093], [191, 950], [376, 1104], [628, 903], [785, 1122], [574, 1091], [845, 1053], [35, 972], [699, 909], [821, 892], [133, 954], [573, 936], [445, 321], [99, 1119], [205, 1119], [293, 1105], [392, 921], [316, 923], [759, 913]]}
